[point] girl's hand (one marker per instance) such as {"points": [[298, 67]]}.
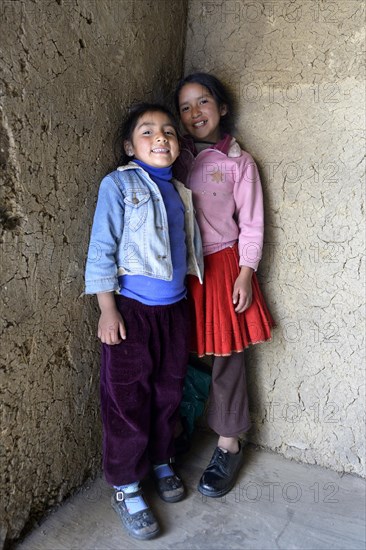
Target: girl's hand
{"points": [[111, 327], [242, 292]]}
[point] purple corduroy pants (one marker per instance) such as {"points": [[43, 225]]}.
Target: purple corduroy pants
{"points": [[141, 388]]}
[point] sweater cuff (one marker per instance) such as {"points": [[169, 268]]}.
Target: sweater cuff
{"points": [[250, 255], [107, 284]]}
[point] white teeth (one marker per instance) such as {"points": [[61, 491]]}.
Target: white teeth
{"points": [[160, 150], [198, 124]]}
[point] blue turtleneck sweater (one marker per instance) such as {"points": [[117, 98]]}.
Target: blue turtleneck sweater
{"points": [[152, 291]]}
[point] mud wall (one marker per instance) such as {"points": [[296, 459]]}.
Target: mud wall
{"points": [[296, 70], [68, 70]]}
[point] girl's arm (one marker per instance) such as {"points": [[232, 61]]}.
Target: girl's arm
{"points": [[108, 224], [101, 270], [248, 200], [242, 292], [111, 327]]}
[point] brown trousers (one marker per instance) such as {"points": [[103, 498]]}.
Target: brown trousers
{"points": [[228, 407]]}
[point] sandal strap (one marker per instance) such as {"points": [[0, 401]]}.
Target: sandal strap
{"points": [[122, 495], [170, 460]]}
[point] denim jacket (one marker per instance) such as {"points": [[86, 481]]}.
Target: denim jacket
{"points": [[130, 233]]}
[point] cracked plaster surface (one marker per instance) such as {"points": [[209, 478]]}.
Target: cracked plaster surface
{"points": [[296, 70], [68, 71]]}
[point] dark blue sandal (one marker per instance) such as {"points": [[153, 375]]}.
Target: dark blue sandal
{"points": [[141, 525]]}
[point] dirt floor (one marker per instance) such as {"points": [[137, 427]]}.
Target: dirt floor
{"points": [[277, 504]]}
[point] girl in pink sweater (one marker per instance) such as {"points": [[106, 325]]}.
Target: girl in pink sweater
{"points": [[228, 310]]}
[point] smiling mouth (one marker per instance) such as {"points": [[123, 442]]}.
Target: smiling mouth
{"points": [[160, 150], [200, 124]]}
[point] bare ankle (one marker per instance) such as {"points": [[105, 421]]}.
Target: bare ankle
{"points": [[230, 444]]}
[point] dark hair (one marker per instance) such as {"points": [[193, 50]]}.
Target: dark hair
{"points": [[127, 127], [219, 92]]}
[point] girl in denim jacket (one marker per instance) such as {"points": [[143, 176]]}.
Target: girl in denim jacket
{"points": [[144, 241], [228, 310]]}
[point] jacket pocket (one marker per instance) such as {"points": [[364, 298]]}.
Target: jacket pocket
{"points": [[136, 207]]}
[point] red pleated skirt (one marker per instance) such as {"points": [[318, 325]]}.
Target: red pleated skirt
{"points": [[215, 327]]}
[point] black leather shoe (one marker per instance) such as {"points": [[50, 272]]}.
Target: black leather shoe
{"points": [[220, 475]]}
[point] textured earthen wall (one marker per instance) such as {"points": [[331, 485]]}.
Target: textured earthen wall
{"points": [[68, 69], [296, 68]]}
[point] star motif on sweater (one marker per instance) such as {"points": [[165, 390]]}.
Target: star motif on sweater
{"points": [[216, 176]]}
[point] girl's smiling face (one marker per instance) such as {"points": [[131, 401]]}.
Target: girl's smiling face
{"points": [[154, 140], [199, 112]]}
